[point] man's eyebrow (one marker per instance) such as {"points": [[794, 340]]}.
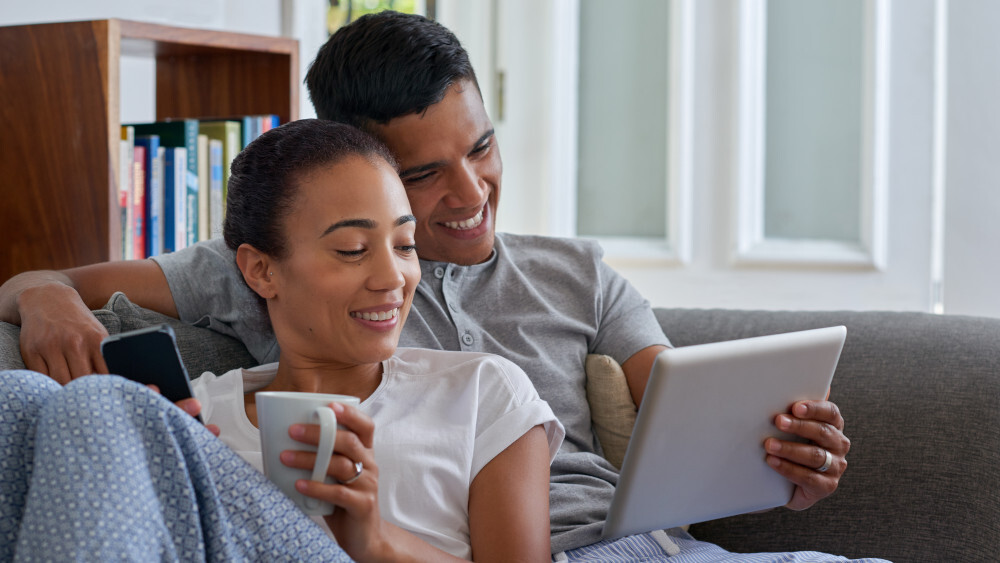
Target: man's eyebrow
{"points": [[364, 224], [439, 163], [485, 136]]}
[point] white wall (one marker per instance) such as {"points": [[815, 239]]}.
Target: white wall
{"points": [[971, 254]]}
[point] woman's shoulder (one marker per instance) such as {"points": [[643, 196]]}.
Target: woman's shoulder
{"points": [[487, 370], [212, 389], [425, 359]]}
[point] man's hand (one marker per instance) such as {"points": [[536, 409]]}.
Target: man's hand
{"points": [[819, 422], [61, 337]]}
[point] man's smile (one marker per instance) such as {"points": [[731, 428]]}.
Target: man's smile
{"points": [[470, 223]]}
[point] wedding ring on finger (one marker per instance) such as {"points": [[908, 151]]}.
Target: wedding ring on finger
{"points": [[826, 464], [358, 468]]}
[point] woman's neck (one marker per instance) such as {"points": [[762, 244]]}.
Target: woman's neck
{"points": [[305, 376], [359, 381]]}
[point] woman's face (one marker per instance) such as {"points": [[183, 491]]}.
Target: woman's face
{"points": [[345, 288]]}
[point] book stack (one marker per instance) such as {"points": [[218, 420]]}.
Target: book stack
{"points": [[173, 179]]}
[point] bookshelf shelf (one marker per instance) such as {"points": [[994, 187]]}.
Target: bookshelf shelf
{"points": [[60, 109]]}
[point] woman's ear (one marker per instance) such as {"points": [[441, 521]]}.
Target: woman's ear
{"points": [[257, 270]]}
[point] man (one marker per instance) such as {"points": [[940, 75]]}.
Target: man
{"points": [[544, 303]]}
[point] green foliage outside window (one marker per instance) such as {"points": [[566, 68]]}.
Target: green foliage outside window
{"points": [[343, 12]]}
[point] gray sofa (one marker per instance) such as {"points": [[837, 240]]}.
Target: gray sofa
{"points": [[920, 394]]}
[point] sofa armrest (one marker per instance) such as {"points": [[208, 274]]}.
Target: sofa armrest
{"points": [[919, 395]]}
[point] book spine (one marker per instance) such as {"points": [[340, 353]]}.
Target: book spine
{"points": [[153, 197], [191, 184], [180, 187], [232, 150], [140, 162], [126, 170], [169, 197], [154, 236], [204, 181], [174, 216], [270, 121], [215, 158], [247, 131]]}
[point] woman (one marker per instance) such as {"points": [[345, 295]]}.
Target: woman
{"points": [[453, 448]]}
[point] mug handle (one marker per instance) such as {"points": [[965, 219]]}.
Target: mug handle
{"points": [[328, 432]]}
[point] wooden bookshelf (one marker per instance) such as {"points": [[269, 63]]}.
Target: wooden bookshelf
{"points": [[60, 115]]}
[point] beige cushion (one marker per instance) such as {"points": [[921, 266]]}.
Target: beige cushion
{"points": [[612, 411]]}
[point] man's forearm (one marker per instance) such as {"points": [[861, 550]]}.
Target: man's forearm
{"points": [[89, 286], [12, 290]]}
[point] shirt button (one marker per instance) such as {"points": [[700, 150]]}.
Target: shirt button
{"points": [[439, 272], [467, 339]]}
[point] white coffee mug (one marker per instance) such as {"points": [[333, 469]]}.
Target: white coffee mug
{"points": [[276, 412]]}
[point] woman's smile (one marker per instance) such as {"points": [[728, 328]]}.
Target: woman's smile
{"points": [[380, 318]]}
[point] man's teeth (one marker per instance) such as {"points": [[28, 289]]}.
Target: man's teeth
{"points": [[469, 223], [379, 316]]}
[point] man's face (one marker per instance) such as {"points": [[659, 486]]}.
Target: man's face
{"points": [[450, 165]]}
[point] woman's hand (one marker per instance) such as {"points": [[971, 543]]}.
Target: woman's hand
{"points": [[356, 521], [816, 466]]}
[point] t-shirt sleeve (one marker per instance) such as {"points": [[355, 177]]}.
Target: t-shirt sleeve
{"points": [[627, 323], [509, 406], [209, 291]]}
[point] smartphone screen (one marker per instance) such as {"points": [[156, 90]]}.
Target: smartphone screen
{"points": [[149, 356]]}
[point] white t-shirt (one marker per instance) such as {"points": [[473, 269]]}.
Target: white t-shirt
{"points": [[439, 418]]}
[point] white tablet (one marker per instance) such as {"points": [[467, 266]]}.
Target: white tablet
{"points": [[696, 451]]}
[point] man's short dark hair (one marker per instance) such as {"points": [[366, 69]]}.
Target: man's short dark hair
{"points": [[383, 66]]}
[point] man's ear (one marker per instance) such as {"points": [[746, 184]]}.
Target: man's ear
{"points": [[256, 268]]}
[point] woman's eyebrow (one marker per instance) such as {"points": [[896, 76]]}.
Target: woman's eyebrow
{"points": [[364, 224], [358, 223]]}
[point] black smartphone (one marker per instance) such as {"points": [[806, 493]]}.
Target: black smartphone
{"points": [[149, 356]]}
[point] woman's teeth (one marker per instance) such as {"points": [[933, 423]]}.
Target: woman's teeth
{"points": [[469, 223], [379, 316]]}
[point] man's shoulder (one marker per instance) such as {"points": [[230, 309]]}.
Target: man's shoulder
{"points": [[213, 254], [519, 247]]}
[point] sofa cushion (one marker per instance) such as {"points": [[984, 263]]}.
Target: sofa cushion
{"points": [[612, 410]]}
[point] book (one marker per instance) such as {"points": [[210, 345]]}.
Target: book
{"points": [[180, 133], [215, 160], [139, 163], [175, 199], [126, 178], [247, 130], [270, 122], [229, 131], [153, 197], [203, 188], [158, 203]]}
